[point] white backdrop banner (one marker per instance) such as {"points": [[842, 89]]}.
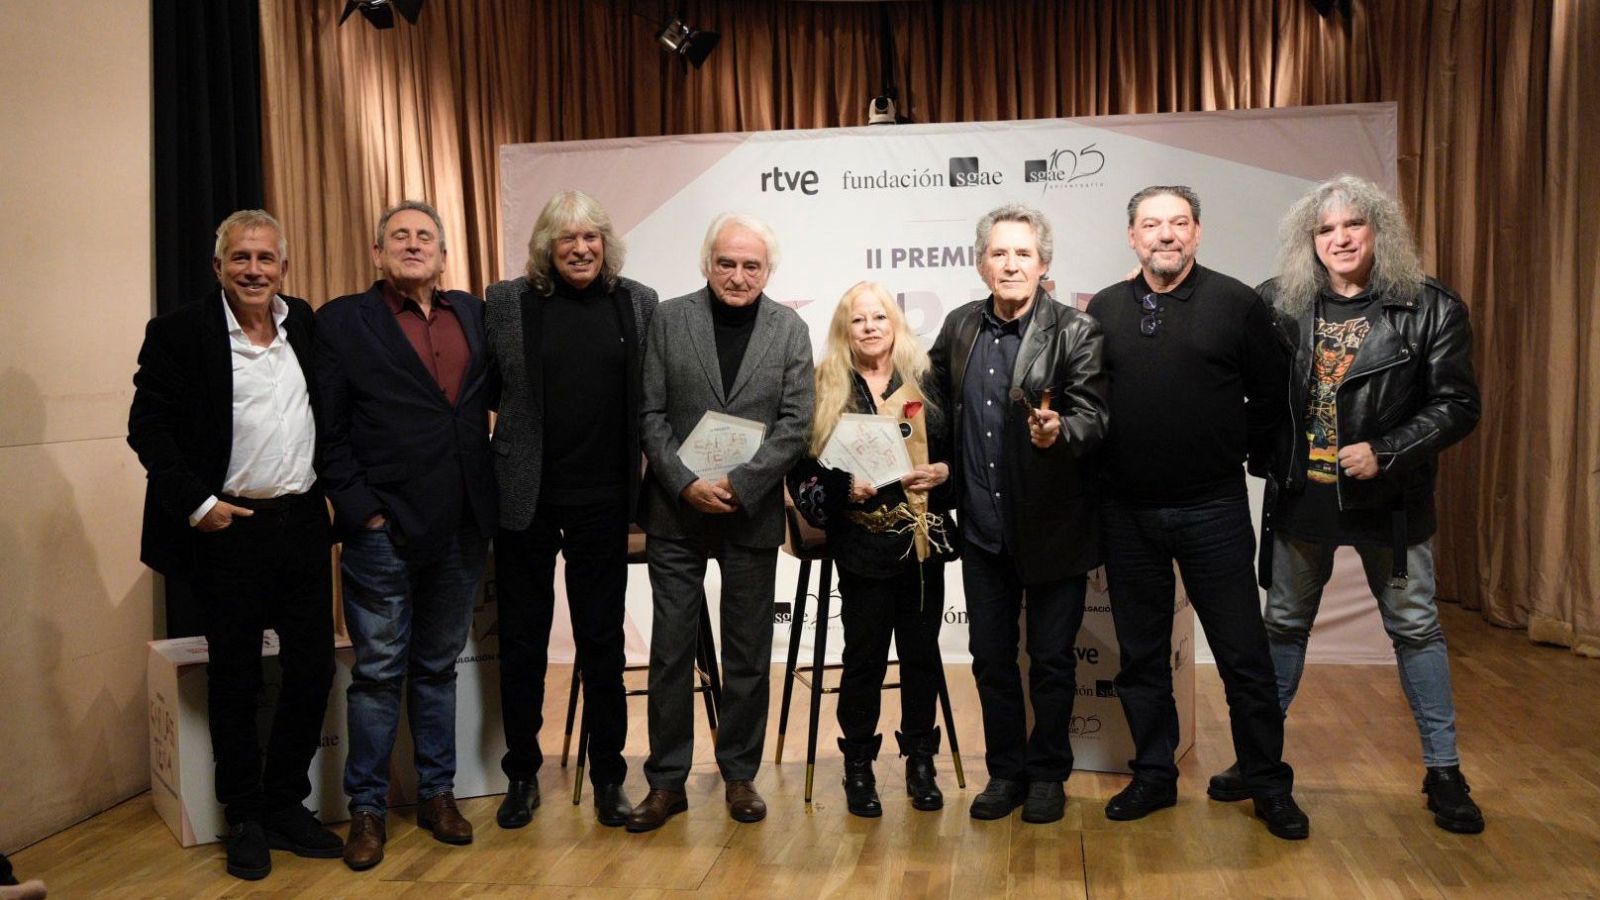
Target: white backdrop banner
{"points": [[898, 204]]}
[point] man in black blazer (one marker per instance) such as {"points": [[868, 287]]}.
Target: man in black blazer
{"points": [[222, 422], [567, 340], [403, 388]]}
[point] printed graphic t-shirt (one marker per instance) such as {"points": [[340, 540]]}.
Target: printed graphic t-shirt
{"points": [[1342, 325]]}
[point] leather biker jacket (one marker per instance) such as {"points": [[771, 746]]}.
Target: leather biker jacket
{"points": [[1410, 393]]}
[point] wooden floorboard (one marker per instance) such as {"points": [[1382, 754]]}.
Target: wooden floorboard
{"points": [[1529, 737]]}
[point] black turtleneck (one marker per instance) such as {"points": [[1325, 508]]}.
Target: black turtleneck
{"points": [[585, 394], [733, 327]]}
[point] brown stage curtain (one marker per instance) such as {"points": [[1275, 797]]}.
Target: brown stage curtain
{"points": [[1495, 169]]}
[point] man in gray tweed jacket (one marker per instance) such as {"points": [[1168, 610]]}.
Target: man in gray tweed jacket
{"points": [[567, 340], [729, 348]]}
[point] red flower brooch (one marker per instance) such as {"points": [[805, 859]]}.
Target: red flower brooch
{"points": [[910, 410]]}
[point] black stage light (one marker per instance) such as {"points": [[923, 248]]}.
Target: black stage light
{"points": [[689, 43], [380, 13]]}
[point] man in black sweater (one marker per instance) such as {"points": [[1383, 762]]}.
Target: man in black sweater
{"points": [[1198, 384]]}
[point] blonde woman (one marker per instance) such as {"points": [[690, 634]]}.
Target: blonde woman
{"points": [[889, 543]]}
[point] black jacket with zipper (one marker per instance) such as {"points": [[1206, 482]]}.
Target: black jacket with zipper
{"points": [[1410, 393], [1053, 533]]}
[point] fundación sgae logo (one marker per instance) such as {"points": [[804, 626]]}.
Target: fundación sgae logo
{"points": [[962, 171]]}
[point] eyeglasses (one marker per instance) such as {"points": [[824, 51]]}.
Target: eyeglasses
{"points": [[1148, 323]]}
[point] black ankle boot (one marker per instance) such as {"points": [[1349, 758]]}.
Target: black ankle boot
{"points": [[919, 749], [860, 785]]}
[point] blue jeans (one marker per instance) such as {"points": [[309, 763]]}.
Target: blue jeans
{"points": [[1410, 616], [409, 622], [1214, 547]]}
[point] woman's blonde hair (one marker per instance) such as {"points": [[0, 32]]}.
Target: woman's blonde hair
{"points": [[836, 368]]}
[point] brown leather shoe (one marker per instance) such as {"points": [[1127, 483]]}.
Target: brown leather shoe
{"points": [[657, 807], [744, 804], [440, 816], [363, 849]]}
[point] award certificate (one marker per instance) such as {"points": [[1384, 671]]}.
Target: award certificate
{"points": [[868, 447], [719, 443]]}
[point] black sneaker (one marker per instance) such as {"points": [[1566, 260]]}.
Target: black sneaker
{"points": [[296, 830], [998, 799], [1228, 785], [248, 856], [1452, 809], [1284, 817], [1047, 802], [1140, 798]]}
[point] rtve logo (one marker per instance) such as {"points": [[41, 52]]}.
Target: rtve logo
{"points": [[965, 172], [804, 181]]}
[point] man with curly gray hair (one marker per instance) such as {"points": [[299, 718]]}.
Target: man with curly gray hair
{"points": [[567, 340], [1382, 383]]}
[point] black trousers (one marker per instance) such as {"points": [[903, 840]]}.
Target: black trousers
{"points": [[1214, 548], [909, 607], [1055, 610], [593, 539], [269, 570]]}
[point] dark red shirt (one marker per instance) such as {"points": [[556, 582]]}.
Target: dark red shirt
{"points": [[438, 338]]}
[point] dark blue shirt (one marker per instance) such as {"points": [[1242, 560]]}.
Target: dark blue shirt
{"points": [[985, 393]]}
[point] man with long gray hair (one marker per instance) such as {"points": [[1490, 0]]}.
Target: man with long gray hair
{"points": [[567, 340], [1382, 381]]}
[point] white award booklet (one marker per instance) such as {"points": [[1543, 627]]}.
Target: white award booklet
{"points": [[719, 443], [868, 447]]}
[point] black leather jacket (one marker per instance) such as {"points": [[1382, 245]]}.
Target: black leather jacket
{"points": [[1410, 393], [1053, 532]]}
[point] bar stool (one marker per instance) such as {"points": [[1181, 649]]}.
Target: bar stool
{"points": [[808, 545], [708, 679]]}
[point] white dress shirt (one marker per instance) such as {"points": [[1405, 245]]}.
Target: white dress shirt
{"points": [[274, 436]]}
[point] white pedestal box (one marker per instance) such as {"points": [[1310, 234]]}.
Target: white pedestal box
{"points": [[181, 764], [1100, 738]]}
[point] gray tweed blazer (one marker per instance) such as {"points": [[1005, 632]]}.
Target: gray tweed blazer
{"points": [[682, 380], [513, 318]]}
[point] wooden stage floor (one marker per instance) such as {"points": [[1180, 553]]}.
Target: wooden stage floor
{"points": [[1529, 737]]}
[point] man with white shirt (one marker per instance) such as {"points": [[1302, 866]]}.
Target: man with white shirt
{"points": [[222, 422]]}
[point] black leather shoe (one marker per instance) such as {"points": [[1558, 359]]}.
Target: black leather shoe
{"points": [[522, 798], [921, 787], [1283, 817], [1228, 785], [248, 856], [1447, 793], [1140, 798], [1047, 802], [998, 799], [611, 806], [296, 830]]}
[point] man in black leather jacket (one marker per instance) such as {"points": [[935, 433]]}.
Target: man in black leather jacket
{"points": [[1021, 377], [1381, 382]]}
